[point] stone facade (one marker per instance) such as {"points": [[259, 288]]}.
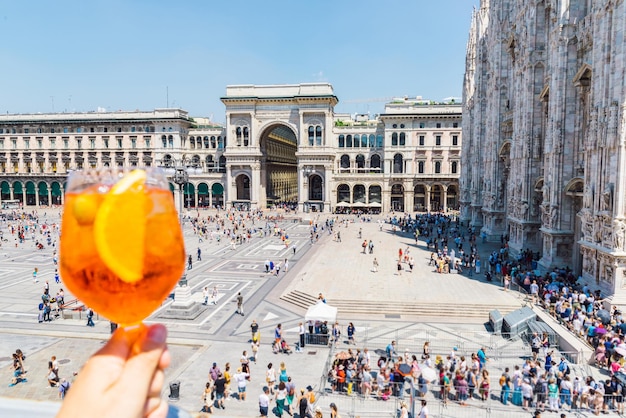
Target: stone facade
{"points": [[545, 133], [280, 143]]}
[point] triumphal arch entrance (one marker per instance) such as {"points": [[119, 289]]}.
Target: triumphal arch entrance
{"points": [[279, 145]]}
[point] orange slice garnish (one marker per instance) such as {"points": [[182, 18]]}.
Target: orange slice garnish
{"points": [[120, 227]]}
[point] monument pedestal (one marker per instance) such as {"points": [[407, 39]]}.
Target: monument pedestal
{"points": [[183, 306]]}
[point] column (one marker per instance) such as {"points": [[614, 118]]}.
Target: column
{"points": [[210, 197], [255, 178], [427, 198], [196, 196], [11, 191], [229, 188], [62, 197], [36, 196], [24, 195], [444, 196], [49, 196]]}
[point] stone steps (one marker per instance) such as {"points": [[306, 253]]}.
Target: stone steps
{"points": [[360, 307]]}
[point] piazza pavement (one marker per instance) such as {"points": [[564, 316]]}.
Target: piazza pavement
{"points": [[337, 269]]}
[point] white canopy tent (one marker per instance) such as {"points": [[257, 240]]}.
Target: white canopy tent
{"points": [[321, 312]]}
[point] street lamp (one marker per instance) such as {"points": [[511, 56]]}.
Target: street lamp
{"points": [[180, 176]]}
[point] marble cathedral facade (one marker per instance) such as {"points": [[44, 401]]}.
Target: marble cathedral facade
{"points": [[544, 127]]}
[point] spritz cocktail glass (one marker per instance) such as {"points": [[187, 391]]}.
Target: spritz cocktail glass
{"points": [[122, 248]]}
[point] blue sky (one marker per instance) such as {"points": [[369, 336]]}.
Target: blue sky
{"points": [[77, 55]]}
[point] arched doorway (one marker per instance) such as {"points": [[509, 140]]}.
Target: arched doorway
{"points": [[435, 198], [452, 198], [217, 195], [203, 195], [358, 192], [18, 191], [316, 188], [43, 193], [397, 198], [5, 191], [30, 194], [419, 198], [189, 195], [56, 193], [243, 187], [279, 165]]}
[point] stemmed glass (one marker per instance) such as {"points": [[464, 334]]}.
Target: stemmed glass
{"points": [[122, 248]]}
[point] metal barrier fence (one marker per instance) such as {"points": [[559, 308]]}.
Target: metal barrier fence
{"points": [[359, 406]]}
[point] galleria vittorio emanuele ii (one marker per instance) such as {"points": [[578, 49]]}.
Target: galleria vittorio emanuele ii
{"points": [[545, 134]]}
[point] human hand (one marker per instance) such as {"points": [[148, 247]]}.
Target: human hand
{"points": [[124, 378]]}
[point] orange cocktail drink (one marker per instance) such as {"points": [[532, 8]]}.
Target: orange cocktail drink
{"points": [[122, 248]]}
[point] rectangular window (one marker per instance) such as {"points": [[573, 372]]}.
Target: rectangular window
{"points": [[14, 143], [79, 143], [92, 143], [437, 140], [147, 141], [422, 139], [66, 143], [133, 142], [92, 129], [420, 167], [51, 130], [2, 143], [65, 130], [26, 143], [422, 125], [438, 125], [119, 141], [105, 141], [455, 140], [26, 130], [40, 143], [53, 143], [79, 129], [455, 124]]}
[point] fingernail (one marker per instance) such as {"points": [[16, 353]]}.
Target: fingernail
{"points": [[157, 334]]}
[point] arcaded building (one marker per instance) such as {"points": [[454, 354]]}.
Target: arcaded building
{"points": [[545, 133], [280, 144]]}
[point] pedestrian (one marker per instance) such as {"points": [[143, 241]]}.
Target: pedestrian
{"points": [[241, 377], [264, 402], [207, 399], [334, 412], [239, 304], [189, 262], [423, 413], [255, 349], [35, 279], [399, 268], [90, 318], [64, 386], [220, 389], [270, 377], [286, 264], [57, 279], [303, 405], [254, 328], [199, 254], [214, 295], [375, 265], [280, 397], [301, 334], [205, 295], [350, 332]]}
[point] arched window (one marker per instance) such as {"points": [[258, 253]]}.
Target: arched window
{"points": [[379, 141], [363, 141], [164, 139], [345, 163], [455, 167], [357, 141], [192, 142], [375, 163], [437, 167], [343, 193], [360, 162], [420, 167], [372, 140], [402, 139], [311, 136], [221, 142], [206, 142], [238, 135], [213, 143], [397, 163], [222, 165], [342, 141], [349, 141], [394, 139], [170, 140], [246, 136], [318, 136], [210, 164]]}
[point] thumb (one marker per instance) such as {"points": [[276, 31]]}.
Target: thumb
{"points": [[143, 362]]}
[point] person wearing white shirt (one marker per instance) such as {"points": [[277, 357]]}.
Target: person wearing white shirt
{"points": [[424, 410], [264, 402], [240, 377]]}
